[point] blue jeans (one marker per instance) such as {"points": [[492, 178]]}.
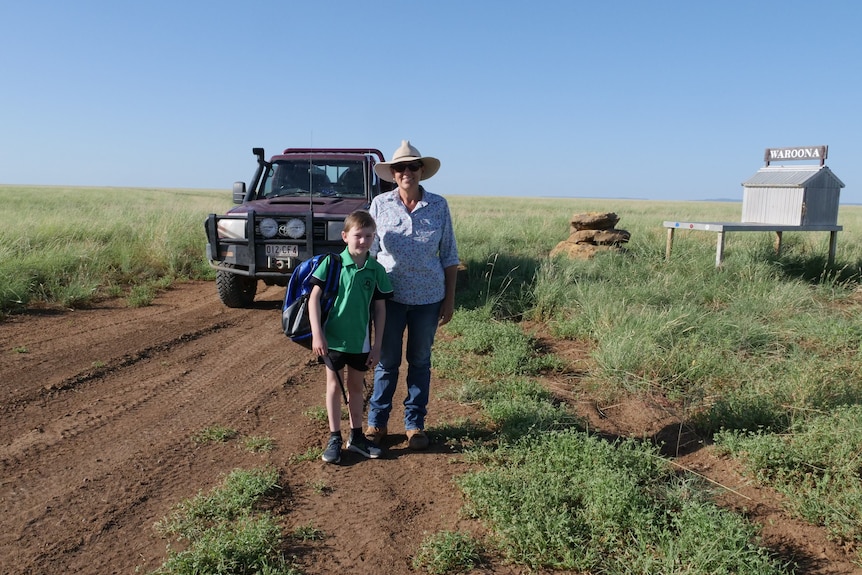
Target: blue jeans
{"points": [[420, 321]]}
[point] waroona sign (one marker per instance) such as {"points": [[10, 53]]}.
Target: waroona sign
{"points": [[799, 153]]}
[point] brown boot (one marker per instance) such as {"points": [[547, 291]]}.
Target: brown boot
{"points": [[417, 440], [375, 434]]}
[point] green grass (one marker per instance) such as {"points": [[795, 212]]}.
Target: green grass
{"points": [[447, 552], [317, 413], [494, 360], [502, 346], [257, 444], [308, 532], [816, 464], [223, 531], [310, 454], [214, 434]]}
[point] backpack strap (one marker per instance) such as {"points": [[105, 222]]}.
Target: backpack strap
{"points": [[333, 281], [327, 361]]}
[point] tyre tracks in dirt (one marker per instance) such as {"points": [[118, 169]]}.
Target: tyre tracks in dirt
{"points": [[98, 410]]}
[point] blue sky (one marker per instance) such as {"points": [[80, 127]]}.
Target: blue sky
{"points": [[657, 100]]}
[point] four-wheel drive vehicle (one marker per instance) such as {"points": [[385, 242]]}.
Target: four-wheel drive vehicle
{"points": [[293, 209]]}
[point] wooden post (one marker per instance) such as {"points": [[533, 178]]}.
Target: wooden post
{"points": [[778, 243], [719, 249], [669, 243], [833, 241]]}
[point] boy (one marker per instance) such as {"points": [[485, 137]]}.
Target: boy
{"points": [[345, 338]]}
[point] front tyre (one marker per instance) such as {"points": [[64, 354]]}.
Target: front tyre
{"points": [[235, 290]]}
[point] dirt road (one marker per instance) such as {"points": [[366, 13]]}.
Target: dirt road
{"points": [[99, 408]]}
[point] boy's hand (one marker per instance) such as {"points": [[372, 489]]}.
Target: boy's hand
{"points": [[319, 346]]}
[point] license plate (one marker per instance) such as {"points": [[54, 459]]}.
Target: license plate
{"points": [[282, 250]]}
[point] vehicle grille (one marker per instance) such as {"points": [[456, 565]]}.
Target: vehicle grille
{"points": [[319, 230]]}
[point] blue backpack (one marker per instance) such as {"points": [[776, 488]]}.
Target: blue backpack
{"points": [[295, 321]]}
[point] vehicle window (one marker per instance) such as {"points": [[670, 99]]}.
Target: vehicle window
{"points": [[318, 178]]}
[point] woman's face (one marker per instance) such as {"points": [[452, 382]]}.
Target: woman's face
{"points": [[407, 174]]}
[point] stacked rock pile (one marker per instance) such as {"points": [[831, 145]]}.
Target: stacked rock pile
{"points": [[590, 233]]}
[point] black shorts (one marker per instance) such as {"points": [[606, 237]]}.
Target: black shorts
{"points": [[339, 359]]}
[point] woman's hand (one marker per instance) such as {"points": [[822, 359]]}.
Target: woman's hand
{"points": [[372, 358], [447, 308]]}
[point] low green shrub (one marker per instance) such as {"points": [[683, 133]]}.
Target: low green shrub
{"points": [[224, 532], [568, 500]]}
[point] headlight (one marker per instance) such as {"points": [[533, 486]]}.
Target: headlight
{"points": [[294, 228], [268, 227], [231, 229]]}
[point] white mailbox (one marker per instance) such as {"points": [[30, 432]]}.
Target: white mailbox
{"points": [[792, 195]]}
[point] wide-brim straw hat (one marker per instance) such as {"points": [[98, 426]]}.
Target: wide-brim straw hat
{"points": [[407, 153]]}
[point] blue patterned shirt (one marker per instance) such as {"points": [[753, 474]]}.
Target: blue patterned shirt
{"points": [[414, 247]]}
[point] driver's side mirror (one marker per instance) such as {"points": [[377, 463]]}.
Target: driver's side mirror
{"points": [[238, 192]]}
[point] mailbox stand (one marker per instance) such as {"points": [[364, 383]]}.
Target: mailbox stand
{"points": [[780, 199]]}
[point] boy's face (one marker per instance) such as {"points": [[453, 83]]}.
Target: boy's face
{"points": [[358, 240]]}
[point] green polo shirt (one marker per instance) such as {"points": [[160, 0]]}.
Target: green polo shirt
{"points": [[347, 326]]}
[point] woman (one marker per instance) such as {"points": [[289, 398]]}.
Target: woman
{"points": [[416, 245]]}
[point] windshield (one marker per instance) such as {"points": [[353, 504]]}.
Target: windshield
{"points": [[333, 178]]}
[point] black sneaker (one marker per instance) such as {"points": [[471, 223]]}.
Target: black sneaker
{"points": [[362, 446], [332, 453]]}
